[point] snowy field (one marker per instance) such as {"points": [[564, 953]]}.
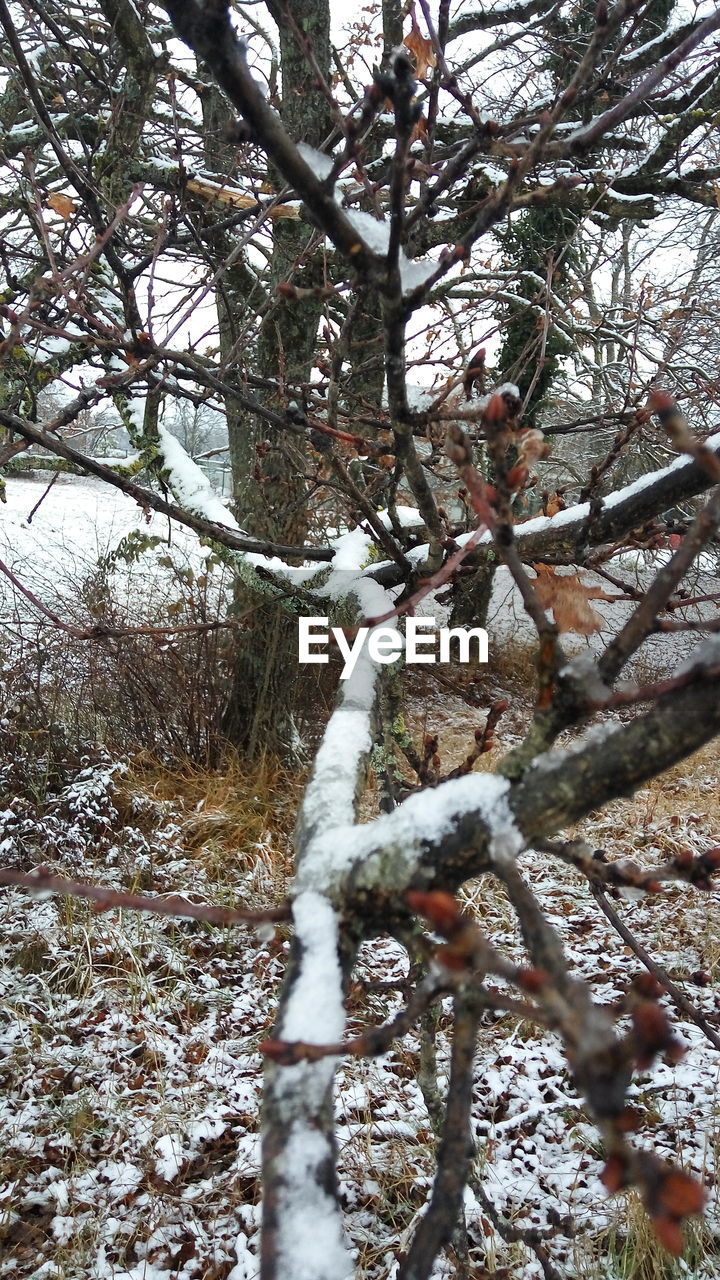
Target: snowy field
{"points": [[128, 1045], [56, 550]]}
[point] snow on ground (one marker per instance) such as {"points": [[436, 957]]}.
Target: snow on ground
{"points": [[78, 522], [128, 1045], [131, 1078]]}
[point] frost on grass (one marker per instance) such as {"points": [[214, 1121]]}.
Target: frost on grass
{"points": [[148, 1030]]}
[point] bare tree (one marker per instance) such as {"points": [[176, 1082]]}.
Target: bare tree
{"points": [[302, 251]]}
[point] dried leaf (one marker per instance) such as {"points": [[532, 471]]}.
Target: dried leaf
{"points": [[568, 598], [681, 1194], [669, 1233], [554, 504], [420, 48], [61, 204]]}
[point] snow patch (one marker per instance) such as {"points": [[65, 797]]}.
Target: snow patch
{"points": [[310, 1240], [170, 1156], [320, 164], [190, 484], [376, 235], [314, 1011]]}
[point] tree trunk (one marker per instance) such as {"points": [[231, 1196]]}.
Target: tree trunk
{"points": [[269, 465]]}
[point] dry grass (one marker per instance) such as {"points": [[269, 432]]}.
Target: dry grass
{"points": [[672, 813], [636, 1253], [233, 839], [452, 701], [235, 819]]}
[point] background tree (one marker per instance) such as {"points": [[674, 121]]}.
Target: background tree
{"points": [[136, 274]]}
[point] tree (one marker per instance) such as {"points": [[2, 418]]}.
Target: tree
{"points": [[473, 182]]}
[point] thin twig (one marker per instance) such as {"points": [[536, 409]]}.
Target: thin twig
{"points": [[41, 882], [455, 1151], [681, 1002], [42, 497]]}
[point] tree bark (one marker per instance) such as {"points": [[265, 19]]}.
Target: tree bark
{"points": [[268, 467]]}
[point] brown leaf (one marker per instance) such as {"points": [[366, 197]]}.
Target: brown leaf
{"points": [[554, 504], [568, 598], [669, 1233], [61, 204], [196, 1052], [681, 1194], [420, 48]]}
